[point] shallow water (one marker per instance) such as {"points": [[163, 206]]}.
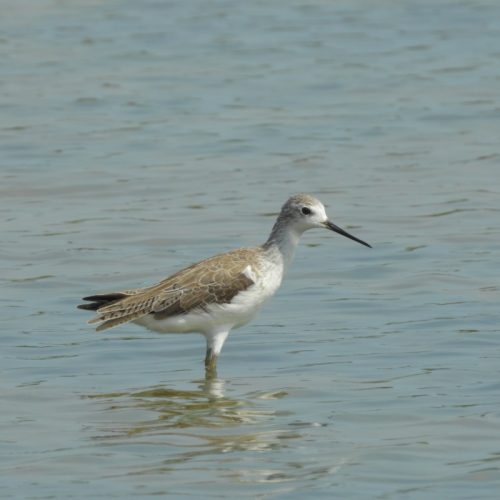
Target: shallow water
{"points": [[138, 137]]}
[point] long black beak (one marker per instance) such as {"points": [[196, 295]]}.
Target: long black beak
{"points": [[337, 229]]}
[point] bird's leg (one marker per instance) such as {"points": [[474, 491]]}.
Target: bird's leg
{"points": [[215, 341], [210, 359]]}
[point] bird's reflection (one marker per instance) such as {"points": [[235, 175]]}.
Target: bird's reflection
{"points": [[183, 425], [190, 418]]}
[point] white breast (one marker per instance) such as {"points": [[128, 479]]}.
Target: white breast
{"points": [[242, 308]]}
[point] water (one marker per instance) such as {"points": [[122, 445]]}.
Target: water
{"points": [[138, 137]]}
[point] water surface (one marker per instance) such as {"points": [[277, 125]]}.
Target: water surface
{"points": [[138, 137]]}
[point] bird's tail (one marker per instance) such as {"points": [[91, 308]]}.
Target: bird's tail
{"points": [[112, 309]]}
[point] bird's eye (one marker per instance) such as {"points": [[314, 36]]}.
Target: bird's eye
{"points": [[306, 211]]}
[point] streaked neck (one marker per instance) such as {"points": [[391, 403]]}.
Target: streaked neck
{"points": [[282, 241]]}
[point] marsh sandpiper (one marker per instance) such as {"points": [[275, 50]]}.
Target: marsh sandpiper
{"points": [[220, 293]]}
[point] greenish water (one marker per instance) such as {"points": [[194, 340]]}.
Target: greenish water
{"points": [[138, 137]]}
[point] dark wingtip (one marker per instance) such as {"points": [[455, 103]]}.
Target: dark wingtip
{"points": [[89, 307], [98, 301], [101, 297]]}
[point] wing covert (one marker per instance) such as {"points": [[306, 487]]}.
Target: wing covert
{"points": [[216, 285]]}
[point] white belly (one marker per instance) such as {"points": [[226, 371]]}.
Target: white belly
{"points": [[242, 308]]}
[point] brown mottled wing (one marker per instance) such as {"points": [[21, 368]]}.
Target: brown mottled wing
{"points": [[215, 280], [215, 284]]}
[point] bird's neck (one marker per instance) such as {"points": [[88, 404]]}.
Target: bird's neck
{"points": [[282, 242]]}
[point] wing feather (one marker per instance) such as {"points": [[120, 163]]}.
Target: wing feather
{"points": [[215, 280]]}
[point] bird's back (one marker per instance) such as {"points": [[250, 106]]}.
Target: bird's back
{"points": [[216, 280]]}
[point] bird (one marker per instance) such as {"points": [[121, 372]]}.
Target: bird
{"points": [[221, 293]]}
